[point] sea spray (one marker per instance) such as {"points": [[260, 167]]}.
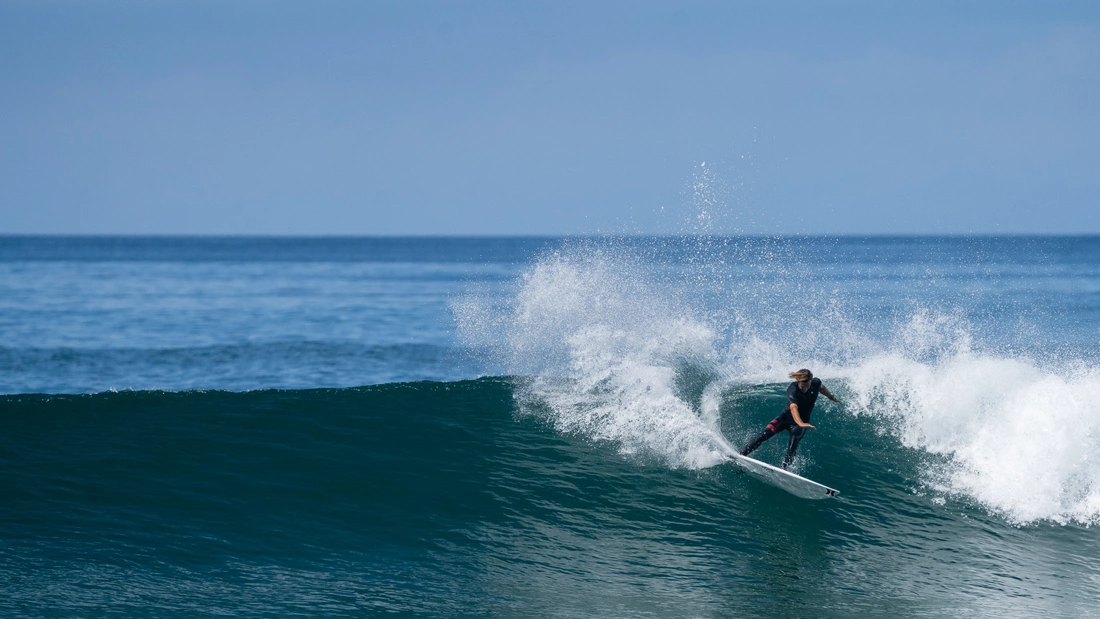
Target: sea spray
{"points": [[1016, 435], [602, 346], [604, 336], [1021, 439]]}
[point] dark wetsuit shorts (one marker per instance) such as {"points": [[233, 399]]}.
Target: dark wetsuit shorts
{"points": [[782, 422]]}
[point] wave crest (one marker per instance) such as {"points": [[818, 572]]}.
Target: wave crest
{"points": [[605, 340]]}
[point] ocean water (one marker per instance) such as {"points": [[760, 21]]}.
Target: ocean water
{"points": [[536, 427]]}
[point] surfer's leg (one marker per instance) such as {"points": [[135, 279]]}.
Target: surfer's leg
{"points": [[756, 442], [760, 438], [796, 432]]}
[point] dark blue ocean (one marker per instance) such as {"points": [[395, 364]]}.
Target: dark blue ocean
{"points": [[536, 427]]}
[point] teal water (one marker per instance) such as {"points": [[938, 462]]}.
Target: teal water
{"points": [[440, 499], [538, 427]]}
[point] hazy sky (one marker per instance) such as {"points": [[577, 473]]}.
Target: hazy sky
{"points": [[417, 117]]}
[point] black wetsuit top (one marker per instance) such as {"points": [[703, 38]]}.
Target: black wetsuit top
{"points": [[805, 401]]}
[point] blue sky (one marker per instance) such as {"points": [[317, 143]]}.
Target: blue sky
{"points": [[329, 117]]}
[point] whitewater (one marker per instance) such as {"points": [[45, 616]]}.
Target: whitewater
{"points": [[608, 338]]}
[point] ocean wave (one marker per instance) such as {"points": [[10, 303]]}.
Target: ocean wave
{"points": [[618, 353]]}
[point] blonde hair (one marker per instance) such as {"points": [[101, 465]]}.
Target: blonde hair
{"points": [[802, 374]]}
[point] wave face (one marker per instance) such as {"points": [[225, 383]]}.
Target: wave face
{"points": [[448, 499]]}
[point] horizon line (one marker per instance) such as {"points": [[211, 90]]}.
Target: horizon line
{"points": [[261, 236]]}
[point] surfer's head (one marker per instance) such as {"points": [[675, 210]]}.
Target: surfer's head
{"points": [[802, 376]]}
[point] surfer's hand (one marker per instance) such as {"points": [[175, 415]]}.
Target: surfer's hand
{"points": [[806, 425]]}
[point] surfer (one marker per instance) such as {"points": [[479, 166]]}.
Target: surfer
{"points": [[795, 419]]}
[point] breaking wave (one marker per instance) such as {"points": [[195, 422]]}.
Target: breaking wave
{"points": [[615, 347]]}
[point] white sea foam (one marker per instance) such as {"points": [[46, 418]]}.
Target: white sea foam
{"points": [[1022, 439], [601, 345], [1016, 435]]}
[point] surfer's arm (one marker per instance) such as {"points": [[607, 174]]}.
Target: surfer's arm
{"points": [[828, 394], [797, 419]]}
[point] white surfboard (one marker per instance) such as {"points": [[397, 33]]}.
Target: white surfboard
{"points": [[785, 480]]}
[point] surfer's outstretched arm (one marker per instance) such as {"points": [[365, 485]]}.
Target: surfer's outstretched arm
{"points": [[798, 419], [829, 394]]}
